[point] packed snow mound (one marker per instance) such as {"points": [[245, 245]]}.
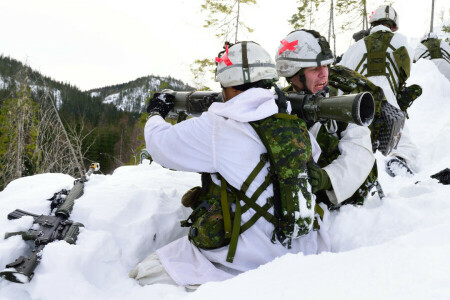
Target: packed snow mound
{"points": [[394, 248]]}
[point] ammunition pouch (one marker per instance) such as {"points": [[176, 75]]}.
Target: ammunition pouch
{"points": [[206, 222], [403, 62], [190, 198]]}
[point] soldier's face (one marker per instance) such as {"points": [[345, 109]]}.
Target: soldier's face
{"points": [[316, 79], [229, 93]]}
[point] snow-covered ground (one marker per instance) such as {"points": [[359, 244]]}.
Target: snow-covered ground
{"points": [[395, 248]]}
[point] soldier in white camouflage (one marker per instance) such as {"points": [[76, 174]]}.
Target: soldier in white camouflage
{"points": [[435, 49], [255, 202], [384, 57], [342, 175]]}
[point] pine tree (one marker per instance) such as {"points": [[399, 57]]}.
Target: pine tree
{"points": [[224, 18]]}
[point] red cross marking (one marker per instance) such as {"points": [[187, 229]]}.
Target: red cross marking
{"points": [[224, 58], [288, 46]]}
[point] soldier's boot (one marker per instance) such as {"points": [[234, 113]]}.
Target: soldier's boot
{"points": [[397, 166]]}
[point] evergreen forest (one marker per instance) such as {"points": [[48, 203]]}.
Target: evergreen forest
{"points": [[50, 126]]}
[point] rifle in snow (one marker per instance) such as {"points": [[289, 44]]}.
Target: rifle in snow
{"points": [[46, 229], [353, 108]]}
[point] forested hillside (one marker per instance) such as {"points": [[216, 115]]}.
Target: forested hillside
{"points": [[103, 125], [132, 96]]}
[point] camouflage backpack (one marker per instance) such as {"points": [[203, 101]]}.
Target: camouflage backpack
{"points": [[383, 63], [434, 49], [213, 224]]}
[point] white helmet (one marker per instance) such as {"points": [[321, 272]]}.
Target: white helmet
{"points": [[385, 13], [302, 49], [244, 62], [430, 35]]}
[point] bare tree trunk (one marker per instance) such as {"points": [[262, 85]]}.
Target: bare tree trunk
{"points": [[237, 21], [331, 20], [432, 15], [19, 153], [365, 21], [80, 167]]}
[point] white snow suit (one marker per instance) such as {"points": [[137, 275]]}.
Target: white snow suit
{"points": [[443, 64], [222, 141], [353, 56], [351, 168]]}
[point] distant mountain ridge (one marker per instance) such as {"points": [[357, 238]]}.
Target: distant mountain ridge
{"points": [[132, 96], [128, 97]]}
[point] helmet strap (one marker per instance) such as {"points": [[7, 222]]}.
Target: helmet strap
{"points": [[245, 69], [302, 79]]}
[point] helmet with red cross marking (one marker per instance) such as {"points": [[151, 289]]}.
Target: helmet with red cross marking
{"points": [[244, 62], [385, 14], [302, 49]]}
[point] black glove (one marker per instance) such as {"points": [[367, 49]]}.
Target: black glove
{"points": [[318, 178], [443, 176], [161, 103]]}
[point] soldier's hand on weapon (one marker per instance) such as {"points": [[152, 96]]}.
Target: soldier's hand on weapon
{"points": [[161, 103], [318, 178]]}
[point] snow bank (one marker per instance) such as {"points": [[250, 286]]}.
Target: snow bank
{"points": [[395, 248]]}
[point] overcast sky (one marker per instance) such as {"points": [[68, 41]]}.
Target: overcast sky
{"points": [[94, 43]]}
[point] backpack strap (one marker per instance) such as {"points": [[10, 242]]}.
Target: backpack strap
{"points": [[263, 211], [225, 210], [445, 55], [360, 63], [287, 155]]}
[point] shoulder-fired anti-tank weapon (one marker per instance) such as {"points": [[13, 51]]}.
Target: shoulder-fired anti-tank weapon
{"points": [[353, 108], [49, 228]]}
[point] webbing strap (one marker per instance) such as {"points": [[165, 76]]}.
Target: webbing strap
{"points": [[225, 208], [445, 55], [396, 70], [245, 69], [390, 82], [363, 69], [235, 233], [392, 47], [255, 218], [423, 55], [256, 170], [394, 83], [261, 188], [258, 209], [362, 60], [257, 193]]}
